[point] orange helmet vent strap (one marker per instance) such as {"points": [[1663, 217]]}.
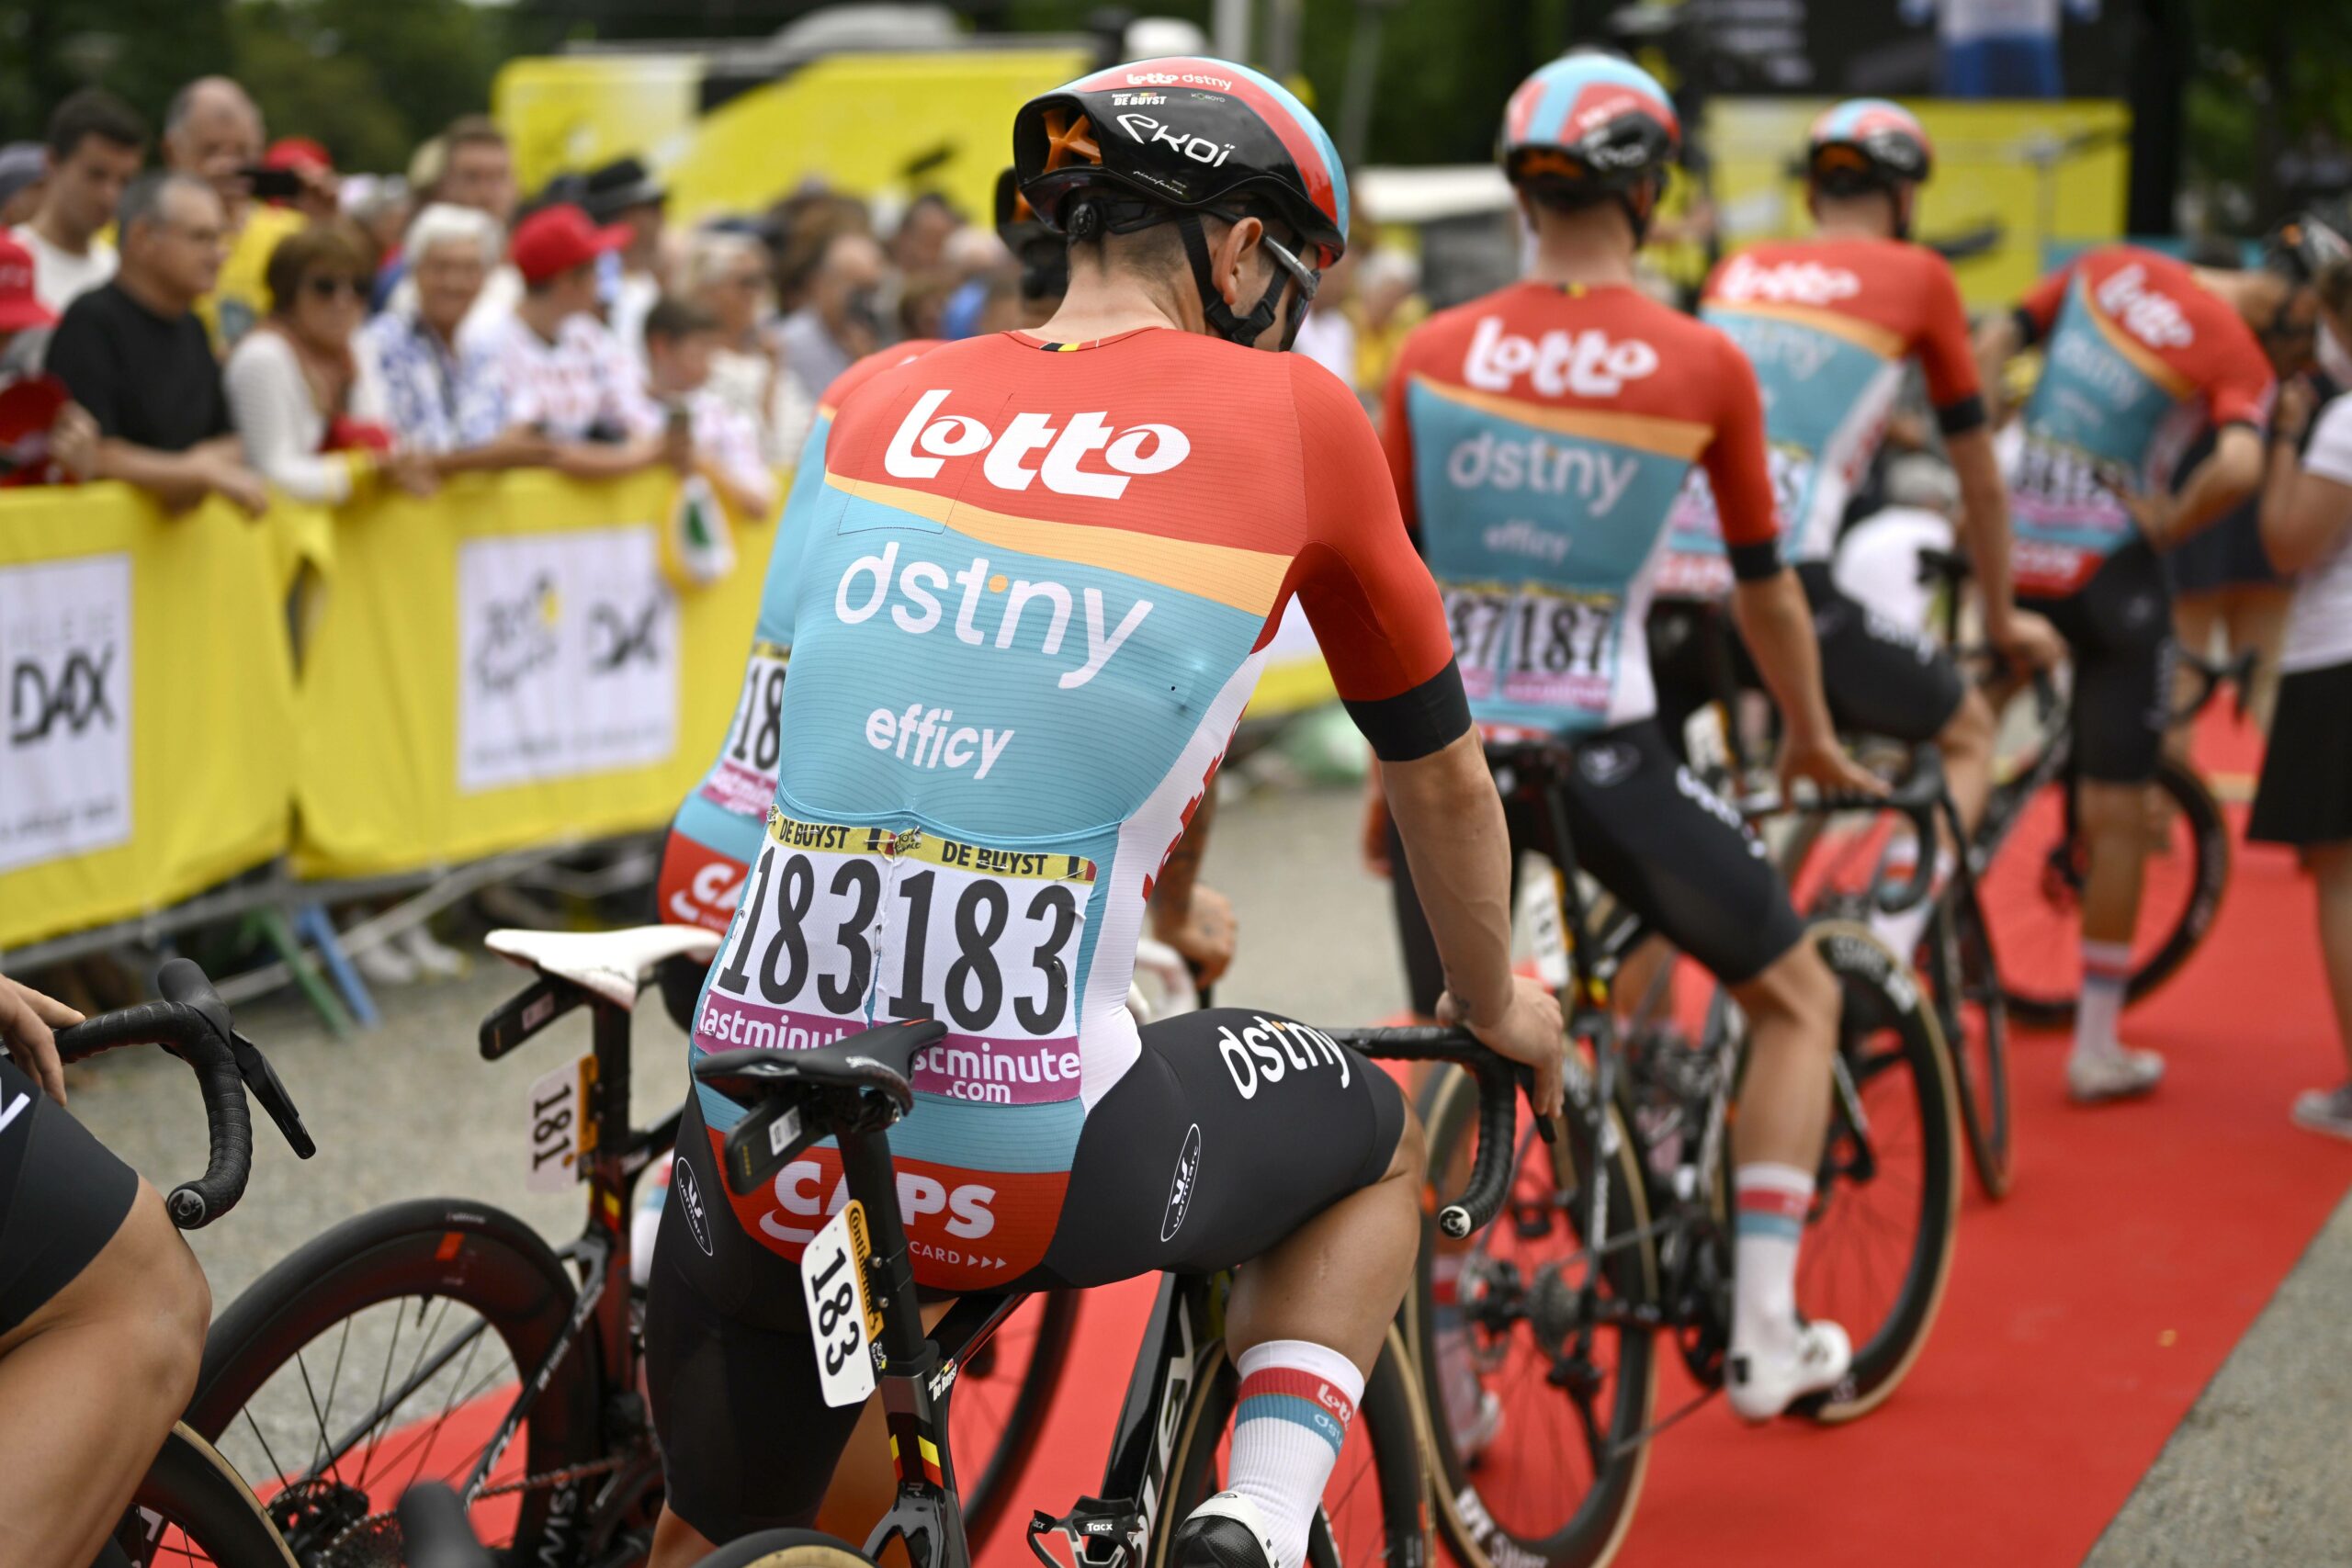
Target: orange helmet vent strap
{"points": [[1069, 140]]}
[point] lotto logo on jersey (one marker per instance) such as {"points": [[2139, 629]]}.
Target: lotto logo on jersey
{"points": [[1786, 283], [927, 437], [2154, 319], [1587, 363]]}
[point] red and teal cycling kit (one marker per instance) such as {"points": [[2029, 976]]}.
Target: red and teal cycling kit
{"points": [[1539, 438], [2136, 360], [1036, 591], [717, 830], [2137, 357]]}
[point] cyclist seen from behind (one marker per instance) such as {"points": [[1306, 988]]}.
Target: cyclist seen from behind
{"points": [[2139, 353], [1829, 324], [1539, 438], [1041, 575]]}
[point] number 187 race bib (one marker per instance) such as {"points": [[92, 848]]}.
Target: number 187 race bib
{"points": [[842, 926]]}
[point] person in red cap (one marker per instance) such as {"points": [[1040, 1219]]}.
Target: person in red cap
{"points": [[310, 162], [552, 366], [44, 434]]}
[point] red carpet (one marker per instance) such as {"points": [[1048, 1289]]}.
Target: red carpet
{"points": [[2084, 1315]]}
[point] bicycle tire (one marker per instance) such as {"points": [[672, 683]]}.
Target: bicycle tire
{"points": [[1384, 1417], [1478, 1533], [786, 1549], [1885, 1027], [1973, 1016], [987, 1496], [481, 1258], [192, 1506], [2185, 790]]}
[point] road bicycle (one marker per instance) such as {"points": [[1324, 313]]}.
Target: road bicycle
{"points": [[192, 1506], [1169, 1445], [1539, 1345], [442, 1338]]}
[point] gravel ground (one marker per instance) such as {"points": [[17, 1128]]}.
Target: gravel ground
{"points": [[411, 1110]]}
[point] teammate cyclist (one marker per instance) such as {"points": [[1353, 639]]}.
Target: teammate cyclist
{"points": [[2139, 350], [102, 1310], [1041, 573], [1540, 434], [1829, 324]]}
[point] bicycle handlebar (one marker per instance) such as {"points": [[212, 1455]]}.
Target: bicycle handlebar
{"points": [[1498, 1081], [192, 1023], [1917, 798]]}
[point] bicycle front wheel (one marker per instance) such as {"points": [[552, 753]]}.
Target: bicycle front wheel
{"points": [[191, 1510], [1533, 1344], [1373, 1514], [386, 1352], [1957, 961], [2033, 894], [1878, 1245]]}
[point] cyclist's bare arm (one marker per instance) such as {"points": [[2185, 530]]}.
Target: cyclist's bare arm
{"points": [[1186, 913], [1451, 820], [1777, 625], [1997, 341], [2229, 474]]}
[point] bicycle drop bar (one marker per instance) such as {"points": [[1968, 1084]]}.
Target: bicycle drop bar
{"points": [[193, 1024], [1498, 1084], [1917, 798]]}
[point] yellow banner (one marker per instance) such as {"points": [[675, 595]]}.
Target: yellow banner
{"points": [[148, 750], [508, 664]]}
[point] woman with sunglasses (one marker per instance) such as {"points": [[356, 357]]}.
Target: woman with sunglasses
{"points": [[310, 423]]}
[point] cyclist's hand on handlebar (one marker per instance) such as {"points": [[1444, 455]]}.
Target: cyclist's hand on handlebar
{"points": [[2028, 641], [1529, 1032], [1825, 762], [1204, 936], [26, 1019]]}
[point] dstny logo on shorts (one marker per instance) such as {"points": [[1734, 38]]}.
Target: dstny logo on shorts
{"points": [[1271, 1049], [1139, 449]]}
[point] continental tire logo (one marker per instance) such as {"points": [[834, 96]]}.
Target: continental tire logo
{"points": [[1181, 1185]]}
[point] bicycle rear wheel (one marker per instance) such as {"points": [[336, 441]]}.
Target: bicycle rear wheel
{"points": [[1878, 1246], [1956, 960], [2032, 892], [1373, 1511], [1535, 1470], [386, 1352], [191, 1510]]}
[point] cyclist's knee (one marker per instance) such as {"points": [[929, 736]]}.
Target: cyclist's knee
{"points": [[158, 1297], [2108, 809], [1795, 997]]}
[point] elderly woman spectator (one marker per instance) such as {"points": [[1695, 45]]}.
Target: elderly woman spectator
{"points": [[726, 276], [309, 423], [409, 359]]}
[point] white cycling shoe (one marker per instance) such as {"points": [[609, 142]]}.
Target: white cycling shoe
{"points": [[1761, 1384], [2126, 1074]]}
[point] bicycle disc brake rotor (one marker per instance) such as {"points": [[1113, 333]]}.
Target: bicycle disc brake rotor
{"points": [[315, 1517]]}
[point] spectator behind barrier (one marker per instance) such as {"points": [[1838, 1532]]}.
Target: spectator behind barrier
{"points": [[724, 446], [839, 324], [44, 436], [624, 192], [95, 143], [322, 194], [552, 366], [469, 164], [920, 243], [727, 274], [24, 169], [309, 422], [213, 132], [133, 351], [435, 395]]}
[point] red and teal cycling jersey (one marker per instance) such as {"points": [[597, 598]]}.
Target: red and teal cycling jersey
{"points": [[716, 830], [1037, 590], [1828, 325], [2137, 358], [1539, 438]]}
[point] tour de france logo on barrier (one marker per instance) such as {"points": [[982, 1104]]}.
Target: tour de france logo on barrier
{"points": [[65, 749], [567, 656]]}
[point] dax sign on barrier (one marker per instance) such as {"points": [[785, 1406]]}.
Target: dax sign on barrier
{"points": [[65, 646]]}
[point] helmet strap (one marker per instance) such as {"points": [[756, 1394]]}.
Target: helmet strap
{"points": [[1640, 204], [1222, 321]]}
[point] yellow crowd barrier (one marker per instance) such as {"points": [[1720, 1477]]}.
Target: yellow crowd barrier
{"points": [[149, 744]]}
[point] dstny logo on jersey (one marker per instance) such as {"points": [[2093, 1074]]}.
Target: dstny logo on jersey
{"points": [[1587, 362], [914, 595], [2154, 319], [1786, 283], [927, 437]]}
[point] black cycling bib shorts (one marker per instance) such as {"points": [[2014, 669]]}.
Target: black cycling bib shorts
{"points": [[2120, 626], [747, 1439], [63, 1197]]}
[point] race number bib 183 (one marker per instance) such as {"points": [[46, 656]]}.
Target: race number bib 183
{"points": [[1544, 647], [843, 925], [744, 783]]}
